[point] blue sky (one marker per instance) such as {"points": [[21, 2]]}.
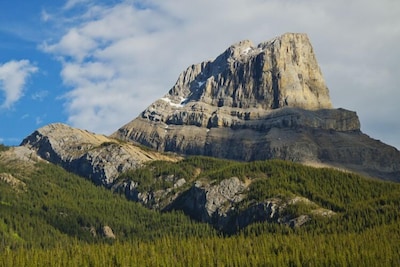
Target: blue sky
{"points": [[96, 65]]}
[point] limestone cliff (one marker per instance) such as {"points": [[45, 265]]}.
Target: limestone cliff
{"points": [[278, 73], [261, 102]]}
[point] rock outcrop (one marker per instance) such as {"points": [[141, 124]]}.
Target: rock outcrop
{"points": [[108, 232], [90, 155], [15, 183], [223, 204], [219, 205], [261, 102]]}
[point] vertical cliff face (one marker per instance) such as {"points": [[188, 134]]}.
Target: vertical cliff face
{"points": [[279, 73], [259, 102]]}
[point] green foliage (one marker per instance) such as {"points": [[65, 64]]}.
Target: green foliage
{"points": [[58, 206], [105, 144], [375, 247], [48, 224], [359, 202], [299, 208], [157, 174]]}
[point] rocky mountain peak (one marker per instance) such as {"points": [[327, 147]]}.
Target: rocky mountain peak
{"points": [[237, 51], [260, 102], [279, 73]]}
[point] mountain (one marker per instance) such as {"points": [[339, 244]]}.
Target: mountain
{"points": [[250, 103], [261, 102]]}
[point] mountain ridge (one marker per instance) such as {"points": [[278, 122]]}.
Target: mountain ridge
{"points": [[90, 155]]}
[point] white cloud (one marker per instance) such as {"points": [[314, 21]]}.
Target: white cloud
{"points": [[40, 95], [13, 77], [118, 59], [39, 119], [73, 3], [45, 16], [25, 116], [73, 44]]}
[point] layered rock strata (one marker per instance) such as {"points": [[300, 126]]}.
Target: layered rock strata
{"points": [[261, 102]]}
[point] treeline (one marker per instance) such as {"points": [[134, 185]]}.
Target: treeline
{"points": [[375, 247]]}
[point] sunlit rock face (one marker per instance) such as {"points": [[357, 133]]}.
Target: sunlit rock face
{"points": [[279, 73]]}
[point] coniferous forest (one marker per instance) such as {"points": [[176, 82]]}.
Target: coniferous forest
{"points": [[49, 217]]}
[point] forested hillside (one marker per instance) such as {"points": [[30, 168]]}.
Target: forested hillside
{"points": [[49, 206], [49, 217], [357, 201]]}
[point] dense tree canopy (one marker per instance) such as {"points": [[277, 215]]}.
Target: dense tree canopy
{"points": [[54, 218]]}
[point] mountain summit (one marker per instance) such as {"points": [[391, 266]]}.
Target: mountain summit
{"points": [[278, 73], [261, 102]]}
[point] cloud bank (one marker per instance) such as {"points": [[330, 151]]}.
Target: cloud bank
{"points": [[13, 77], [117, 59]]}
